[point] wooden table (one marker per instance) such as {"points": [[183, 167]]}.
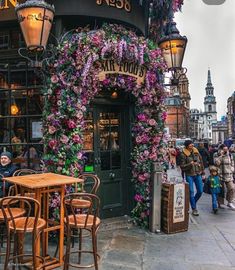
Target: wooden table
{"points": [[42, 185]]}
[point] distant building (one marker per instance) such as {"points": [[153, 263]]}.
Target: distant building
{"points": [[177, 117], [219, 131], [177, 106], [196, 124], [201, 122], [231, 116]]}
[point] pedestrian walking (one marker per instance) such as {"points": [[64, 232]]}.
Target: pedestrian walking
{"points": [[192, 165], [172, 156], [213, 182], [225, 163], [204, 154]]}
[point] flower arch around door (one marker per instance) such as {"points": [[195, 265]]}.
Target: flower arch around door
{"points": [[74, 82]]}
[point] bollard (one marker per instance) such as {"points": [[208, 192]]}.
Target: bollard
{"points": [[156, 189]]}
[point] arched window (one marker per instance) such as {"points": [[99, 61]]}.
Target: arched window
{"points": [[209, 108]]}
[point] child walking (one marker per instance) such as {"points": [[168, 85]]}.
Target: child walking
{"points": [[213, 182]]}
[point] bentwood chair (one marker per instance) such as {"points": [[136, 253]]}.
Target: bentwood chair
{"points": [[81, 218], [18, 227]]}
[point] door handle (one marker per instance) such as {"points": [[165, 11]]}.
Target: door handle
{"points": [[112, 175]]}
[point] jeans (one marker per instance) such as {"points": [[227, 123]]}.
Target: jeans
{"points": [[197, 180], [214, 200]]}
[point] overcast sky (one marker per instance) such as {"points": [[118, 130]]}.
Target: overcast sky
{"points": [[211, 43]]}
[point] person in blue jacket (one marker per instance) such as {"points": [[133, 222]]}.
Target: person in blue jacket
{"points": [[214, 184], [7, 168]]}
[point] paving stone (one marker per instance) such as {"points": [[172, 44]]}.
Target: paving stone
{"points": [[126, 258], [110, 266], [155, 265]]}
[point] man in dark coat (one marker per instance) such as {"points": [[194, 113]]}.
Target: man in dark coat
{"points": [[204, 154], [191, 163], [7, 168]]}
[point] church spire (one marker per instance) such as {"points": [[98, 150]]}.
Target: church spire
{"points": [[209, 86], [209, 83]]}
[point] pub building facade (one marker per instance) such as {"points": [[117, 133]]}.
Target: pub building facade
{"points": [[107, 135]]}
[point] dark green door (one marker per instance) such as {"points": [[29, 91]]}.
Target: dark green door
{"points": [[109, 158]]}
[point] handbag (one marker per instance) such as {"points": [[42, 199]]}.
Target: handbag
{"points": [[206, 187]]}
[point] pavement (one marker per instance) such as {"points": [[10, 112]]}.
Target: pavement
{"points": [[209, 243]]}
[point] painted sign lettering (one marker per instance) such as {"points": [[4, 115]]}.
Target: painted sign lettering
{"points": [[126, 68], [120, 4], [5, 4]]}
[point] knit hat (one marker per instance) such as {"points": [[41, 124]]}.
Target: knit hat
{"points": [[187, 143], [6, 154]]}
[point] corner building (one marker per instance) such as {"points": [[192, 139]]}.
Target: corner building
{"points": [[107, 140]]}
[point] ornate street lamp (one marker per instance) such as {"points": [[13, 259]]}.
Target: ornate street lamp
{"points": [[173, 47], [35, 18]]}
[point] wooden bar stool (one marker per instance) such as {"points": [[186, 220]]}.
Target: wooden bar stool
{"points": [[81, 218], [18, 227], [16, 212]]}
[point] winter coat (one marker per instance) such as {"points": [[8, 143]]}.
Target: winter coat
{"points": [[205, 156], [6, 171], [186, 159], [214, 184], [225, 163]]}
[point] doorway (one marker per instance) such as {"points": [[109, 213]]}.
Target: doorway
{"points": [[107, 140]]}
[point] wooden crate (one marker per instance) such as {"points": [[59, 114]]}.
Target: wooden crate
{"points": [[174, 217]]}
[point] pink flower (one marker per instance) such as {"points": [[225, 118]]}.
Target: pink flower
{"points": [[59, 169], [54, 79], [53, 143], [64, 139], [142, 177], [153, 156], [77, 138], [152, 122], [138, 139], [79, 155], [138, 198], [51, 129], [142, 117], [164, 116], [71, 124], [79, 114]]}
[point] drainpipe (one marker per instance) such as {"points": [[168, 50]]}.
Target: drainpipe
{"points": [[156, 189]]}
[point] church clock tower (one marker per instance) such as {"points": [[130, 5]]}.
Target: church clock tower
{"points": [[210, 113]]}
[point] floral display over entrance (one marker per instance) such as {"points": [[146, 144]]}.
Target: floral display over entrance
{"points": [[75, 81]]}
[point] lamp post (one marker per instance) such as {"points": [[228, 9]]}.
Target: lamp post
{"points": [[173, 48], [35, 18]]}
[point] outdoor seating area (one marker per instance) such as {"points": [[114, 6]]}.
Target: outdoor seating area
{"points": [[26, 221]]}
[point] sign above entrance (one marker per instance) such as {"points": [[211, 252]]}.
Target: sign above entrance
{"points": [[125, 68], [130, 12]]}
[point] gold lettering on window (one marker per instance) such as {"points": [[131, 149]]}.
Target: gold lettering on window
{"points": [[119, 4]]}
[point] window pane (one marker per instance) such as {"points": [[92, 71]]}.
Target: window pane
{"points": [[17, 74]]}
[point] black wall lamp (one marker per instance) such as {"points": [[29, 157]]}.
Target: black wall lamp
{"points": [[173, 48]]}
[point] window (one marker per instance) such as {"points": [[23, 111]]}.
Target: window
{"points": [[4, 40], [21, 106], [209, 108]]}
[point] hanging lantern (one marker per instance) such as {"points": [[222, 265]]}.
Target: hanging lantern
{"points": [[173, 47], [35, 18]]}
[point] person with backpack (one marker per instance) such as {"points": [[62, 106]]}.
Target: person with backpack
{"points": [[192, 165], [225, 163]]}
